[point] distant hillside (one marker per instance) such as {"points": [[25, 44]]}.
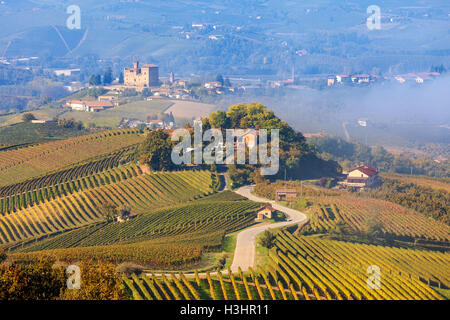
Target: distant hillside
{"points": [[255, 33]]}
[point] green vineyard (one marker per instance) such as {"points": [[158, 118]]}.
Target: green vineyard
{"points": [[302, 268], [194, 218], [141, 191], [51, 192], [209, 286], [354, 212], [338, 270], [24, 163]]}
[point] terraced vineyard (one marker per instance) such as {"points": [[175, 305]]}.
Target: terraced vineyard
{"points": [[78, 171], [354, 211], [193, 218], [24, 163], [36, 196], [217, 286], [338, 270], [168, 237], [142, 192], [309, 269], [429, 182]]}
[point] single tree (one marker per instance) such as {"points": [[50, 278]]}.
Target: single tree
{"points": [[28, 117], [124, 211], [219, 79], [146, 93], [267, 240], [108, 211], [95, 80], [156, 151], [107, 77]]}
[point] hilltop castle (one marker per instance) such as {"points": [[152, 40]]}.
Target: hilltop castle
{"points": [[145, 76]]}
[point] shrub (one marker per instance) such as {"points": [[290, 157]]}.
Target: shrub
{"points": [[99, 281], [129, 268], [267, 240]]}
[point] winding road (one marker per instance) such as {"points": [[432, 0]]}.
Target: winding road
{"points": [[244, 254]]}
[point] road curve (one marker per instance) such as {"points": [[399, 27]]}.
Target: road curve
{"points": [[244, 254]]}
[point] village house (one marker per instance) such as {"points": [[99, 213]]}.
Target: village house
{"points": [[343, 79], [265, 212], [361, 177], [361, 78], [248, 137], [213, 85], [286, 194], [88, 106], [42, 121], [331, 81], [121, 219]]}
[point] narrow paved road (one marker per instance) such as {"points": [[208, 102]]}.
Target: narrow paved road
{"points": [[244, 254]]}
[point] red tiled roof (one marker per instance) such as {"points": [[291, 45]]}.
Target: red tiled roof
{"points": [[368, 170], [286, 191], [150, 66], [93, 103], [98, 103], [267, 207]]}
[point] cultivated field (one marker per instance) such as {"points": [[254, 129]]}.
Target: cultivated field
{"points": [[189, 109], [24, 163], [303, 268], [328, 211], [111, 118], [434, 183], [68, 210]]}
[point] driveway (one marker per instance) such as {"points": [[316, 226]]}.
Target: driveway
{"points": [[244, 254]]}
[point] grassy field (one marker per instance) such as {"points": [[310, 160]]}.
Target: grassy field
{"points": [[111, 118], [44, 113]]}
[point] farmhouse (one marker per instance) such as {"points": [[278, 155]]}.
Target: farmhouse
{"points": [[361, 177], [286, 194], [343, 78], [331, 81], [132, 215], [360, 78], [248, 137], [88, 106], [265, 212]]}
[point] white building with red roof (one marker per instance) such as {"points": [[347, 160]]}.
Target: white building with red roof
{"points": [[361, 177], [89, 106]]}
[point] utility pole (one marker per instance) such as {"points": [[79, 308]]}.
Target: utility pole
{"points": [[284, 173], [301, 188]]}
